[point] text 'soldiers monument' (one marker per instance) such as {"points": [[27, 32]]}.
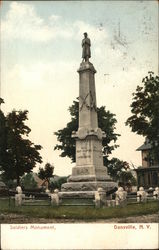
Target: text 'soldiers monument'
{"points": [[89, 172]]}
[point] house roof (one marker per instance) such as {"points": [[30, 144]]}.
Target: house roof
{"points": [[37, 179], [145, 146]]}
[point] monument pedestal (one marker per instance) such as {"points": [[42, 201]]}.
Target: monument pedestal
{"points": [[87, 186], [89, 173]]}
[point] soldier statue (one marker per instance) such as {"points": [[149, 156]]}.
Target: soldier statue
{"points": [[86, 52]]}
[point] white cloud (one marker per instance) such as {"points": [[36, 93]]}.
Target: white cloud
{"points": [[22, 22], [54, 18]]}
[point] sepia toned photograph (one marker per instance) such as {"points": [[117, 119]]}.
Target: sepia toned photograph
{"points": [[79, 125]]}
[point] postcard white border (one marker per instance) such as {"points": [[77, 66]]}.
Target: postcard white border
{"points": [[79, 236]]}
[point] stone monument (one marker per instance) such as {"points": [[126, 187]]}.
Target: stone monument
{"points": [[89, 174]]}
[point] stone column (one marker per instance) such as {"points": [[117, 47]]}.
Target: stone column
{"points": [[89, 173], [87, 97], [89, 158]]}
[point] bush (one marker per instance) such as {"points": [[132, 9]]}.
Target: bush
{"points": [[28, 181], [58, 183], [11, 184]]}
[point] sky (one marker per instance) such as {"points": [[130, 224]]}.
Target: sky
{"points": [[41, 53]]}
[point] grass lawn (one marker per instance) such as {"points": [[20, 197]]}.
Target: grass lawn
{"points": [[78, 212]]}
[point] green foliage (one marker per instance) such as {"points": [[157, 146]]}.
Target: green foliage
{"points": [[46, 173], [145, 110], [106, 122], [57, 183], [117, 169], [11, 184], [120, 171], [18, 154], [28, 181], [64, 136], [3, 142]]}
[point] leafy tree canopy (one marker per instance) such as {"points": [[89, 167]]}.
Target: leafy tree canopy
{"points": [[145, 110], [106, 122], [18, 154], [28, 181], [120, 171], [47, 172], [57, 183], [2, 139]]}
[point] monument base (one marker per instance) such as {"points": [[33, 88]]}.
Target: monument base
{"points": [[89, 178], [77, 194], [88, 186]]}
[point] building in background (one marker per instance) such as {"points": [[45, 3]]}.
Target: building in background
{"points": [[148, 173]]}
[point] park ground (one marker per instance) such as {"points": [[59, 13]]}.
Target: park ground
{"points": [[17, 218], [133, 213]]}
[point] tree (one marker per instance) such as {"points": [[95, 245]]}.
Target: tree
{"points": [[145, 110], [106, 121], [57, 183], [2, 140], [19, 154], [28, 181], [46, 173], [120, 171]]}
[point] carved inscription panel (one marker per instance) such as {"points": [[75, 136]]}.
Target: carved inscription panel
{"points": [[82, 171], [89, 152]]}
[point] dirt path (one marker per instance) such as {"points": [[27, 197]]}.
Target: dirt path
{"points": [[16, 218]]}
